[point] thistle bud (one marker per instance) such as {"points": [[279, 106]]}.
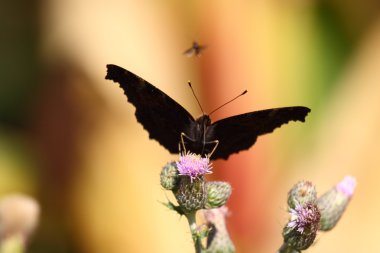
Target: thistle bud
{"points": [[217, 194], [191, 194], [169, 176], [218, 240], [333, 203], [303, 192]]}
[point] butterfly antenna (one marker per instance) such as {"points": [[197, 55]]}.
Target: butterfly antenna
{"points": [[191, 87], [228, 102]]}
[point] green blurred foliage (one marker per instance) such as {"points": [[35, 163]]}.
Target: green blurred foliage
{"points": [[17, 166], [19, 63]]}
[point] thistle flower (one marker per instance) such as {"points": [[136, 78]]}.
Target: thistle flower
{"points": [[193, 165], [333, 203], [308, 214], [304, 217], [302, 228]]}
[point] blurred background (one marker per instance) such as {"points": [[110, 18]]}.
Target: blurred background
{"points": [[70, 139]]}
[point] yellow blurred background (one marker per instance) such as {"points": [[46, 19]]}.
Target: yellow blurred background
{"points": [[70, 139]]}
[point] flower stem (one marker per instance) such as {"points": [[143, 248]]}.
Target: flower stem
{"points": [[285, 248], [194, 231]]}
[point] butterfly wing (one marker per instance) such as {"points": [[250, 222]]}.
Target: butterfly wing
{"points": [[189, 52], [241, 131], [159, 114]]}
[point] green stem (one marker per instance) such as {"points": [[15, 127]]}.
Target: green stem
{"points": [[194, 231], [285, 248]]}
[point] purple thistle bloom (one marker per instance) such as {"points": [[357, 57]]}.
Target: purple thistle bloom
{"points": [[347, 186], [304, 217], [193, 165]]}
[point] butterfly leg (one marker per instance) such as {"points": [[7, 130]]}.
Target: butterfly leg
{"points": [[179, 148], [182, 143], [216, 142]]}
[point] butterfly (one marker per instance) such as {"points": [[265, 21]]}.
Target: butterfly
{"points": [[170, 124], [195, 50]]}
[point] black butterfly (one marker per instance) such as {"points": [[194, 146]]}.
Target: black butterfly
{"points": [[196, 49], [170, 124]]}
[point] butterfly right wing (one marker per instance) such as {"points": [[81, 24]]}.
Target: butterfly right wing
{"points": [[159, 114], [240, 132]]}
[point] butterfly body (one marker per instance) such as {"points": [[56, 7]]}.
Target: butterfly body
{"points": [[199, 136], [195, 50], [170, 124]]}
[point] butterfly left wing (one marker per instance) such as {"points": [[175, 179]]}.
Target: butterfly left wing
{"points": [[159, 114], [240, 132]]}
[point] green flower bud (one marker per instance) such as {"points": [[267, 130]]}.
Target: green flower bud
{"points": [[298, 241], [218, 240], [169, 176], [217, 194], [333, 203], [303, 192], [191, 194]]}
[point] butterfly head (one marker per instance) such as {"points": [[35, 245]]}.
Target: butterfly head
{"points": [[204, 120]]}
